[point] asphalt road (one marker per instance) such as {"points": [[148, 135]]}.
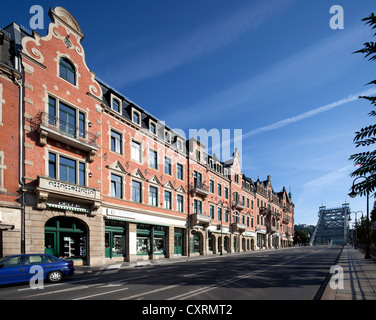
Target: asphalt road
{"points": [[291, 273]]}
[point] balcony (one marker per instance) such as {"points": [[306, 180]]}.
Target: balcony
{"points": [[199, 189], [200, 219], [239, 205], [67, 196], [271, 229], [285, 219], [241, 227], [263, 211], [61, 131]]}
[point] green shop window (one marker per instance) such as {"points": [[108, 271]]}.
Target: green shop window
{"points": [[150, 239], [114, 239], [65, 237]]}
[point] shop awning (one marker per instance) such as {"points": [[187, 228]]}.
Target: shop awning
{"points": [[63, 207]]}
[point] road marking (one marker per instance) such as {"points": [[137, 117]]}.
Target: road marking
{"points": [[64, 290], [161, 269], [194, 274], [190, 294], [100, 294], [60, 284], [153, 291], [121, 282]]}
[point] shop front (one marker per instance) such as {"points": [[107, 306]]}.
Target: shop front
{"points": [[66, 237], [132, 235]]}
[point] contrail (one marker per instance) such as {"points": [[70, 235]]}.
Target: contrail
{"points": [[307, 114]]}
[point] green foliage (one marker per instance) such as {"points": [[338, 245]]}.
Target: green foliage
{"points": [[366, 161]]}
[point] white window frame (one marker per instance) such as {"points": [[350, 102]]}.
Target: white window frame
{"points": [[134, 111], [113, 97], [133, 151]]}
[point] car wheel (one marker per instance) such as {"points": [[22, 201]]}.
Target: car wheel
{"points": [[54, 276]]}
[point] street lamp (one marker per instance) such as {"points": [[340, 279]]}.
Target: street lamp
{"points": [[353, 194], [356, 227]]}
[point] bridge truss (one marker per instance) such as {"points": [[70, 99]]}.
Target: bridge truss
{"points": [[332, 226]]}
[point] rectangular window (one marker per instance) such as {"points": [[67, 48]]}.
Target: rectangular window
{"points": [[219, 190], [52, 165], [211, 209], [180, 203], [167, 200], [197, 206], [67, 169], [81, 125], [226, 216], [153, 159], [116, 142], [167, 166], [226, 193], [116, 186], [136, 191], [179, 171], [136, 151], [153, 196], [211, 186], [219, 214], [81, 174], [52, 111]]}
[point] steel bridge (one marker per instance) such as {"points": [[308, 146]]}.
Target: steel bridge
{"points": [[332, 226]]}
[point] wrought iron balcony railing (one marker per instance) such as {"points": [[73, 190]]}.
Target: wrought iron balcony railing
{"points": [[62, 131], [66, 129]]}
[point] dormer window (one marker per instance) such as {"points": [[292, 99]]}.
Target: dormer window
{"points": [[67, 71], [153, 127], [136, 117], [167, 137], [115, 103]]}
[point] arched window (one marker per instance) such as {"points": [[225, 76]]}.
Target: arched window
{"points": [[67, 71]]}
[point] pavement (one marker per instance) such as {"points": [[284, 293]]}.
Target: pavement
{"points": [[358, 280], [352, 278]]}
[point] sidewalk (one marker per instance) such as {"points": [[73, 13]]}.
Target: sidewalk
{"points": [[359, 277]]}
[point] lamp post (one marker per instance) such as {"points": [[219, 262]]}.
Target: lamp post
{"points": [[353, 194], [356, 227]]}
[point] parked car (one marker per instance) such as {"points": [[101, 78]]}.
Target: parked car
{"points": [[16, 268]]}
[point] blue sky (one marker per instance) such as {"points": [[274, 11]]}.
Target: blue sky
{"points": [[274, 69]]}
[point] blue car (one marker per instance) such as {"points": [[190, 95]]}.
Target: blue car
{"points": [[19, 268]]}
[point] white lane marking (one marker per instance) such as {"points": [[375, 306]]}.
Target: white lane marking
{"points": [[153, 291]]}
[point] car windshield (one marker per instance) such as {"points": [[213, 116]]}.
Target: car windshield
{"points": [[3, 258]]}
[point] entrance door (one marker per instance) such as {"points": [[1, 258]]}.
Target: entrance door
{"points": [[107, 245], [50, 243], [178, 248]]}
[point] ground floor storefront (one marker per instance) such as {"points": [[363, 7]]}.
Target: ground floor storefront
{"points": [[114, 234]]}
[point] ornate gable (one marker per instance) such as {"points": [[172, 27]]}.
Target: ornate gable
{"points": [[116, 166], [169, 185], [137, 174], [154, 179]]}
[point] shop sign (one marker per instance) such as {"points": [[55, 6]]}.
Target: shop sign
{"points": [[120, 213]]}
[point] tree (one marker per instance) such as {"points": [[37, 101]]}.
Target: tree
{"points": [[366, 161]]}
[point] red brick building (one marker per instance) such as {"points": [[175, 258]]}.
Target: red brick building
{"points": [[102, 179], [10, 182]]}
